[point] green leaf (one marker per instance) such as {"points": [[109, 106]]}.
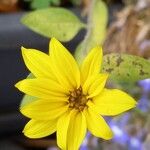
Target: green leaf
{"points": [[96, 33], [38, 4], [125, 68], [76, 2], [27, 99], [55, 2], [53, 22]]}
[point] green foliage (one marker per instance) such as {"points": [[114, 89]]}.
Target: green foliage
{"points": [[96, 30], [38, 4], [27, 99], [53, 22], [76, 2], [125, 68]]}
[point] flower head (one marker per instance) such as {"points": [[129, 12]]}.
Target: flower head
{"points": [[70, 99]]}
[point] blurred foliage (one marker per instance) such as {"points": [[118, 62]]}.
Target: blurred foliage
{"points": [[76, 2], [124, 68], [96, 31], [38, 4], [53, 22]]}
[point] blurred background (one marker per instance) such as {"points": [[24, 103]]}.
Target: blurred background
{"points": [[128, 31]]}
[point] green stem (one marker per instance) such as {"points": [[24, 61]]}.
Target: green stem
{"points": [[96, 29], [85, 49]]}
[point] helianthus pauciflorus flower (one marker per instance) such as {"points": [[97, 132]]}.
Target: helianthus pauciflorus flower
{"points": [[71, 99]]}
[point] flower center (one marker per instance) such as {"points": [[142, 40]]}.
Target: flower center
{"points": [[77, 99]]}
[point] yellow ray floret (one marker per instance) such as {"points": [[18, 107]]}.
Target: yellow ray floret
{"points": [[71, 99]]}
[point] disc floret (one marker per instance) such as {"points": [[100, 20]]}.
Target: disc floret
{"points": [[77, 99]]}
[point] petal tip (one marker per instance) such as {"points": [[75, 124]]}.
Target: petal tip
{"points": [[109, 137], [135, 103], [24, 130], [23, 49], [28, 135], [24, 111], [21, 110], [17, 85], [53, 40]]}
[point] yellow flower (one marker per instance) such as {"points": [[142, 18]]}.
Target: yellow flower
{"points": [[70, 99]]}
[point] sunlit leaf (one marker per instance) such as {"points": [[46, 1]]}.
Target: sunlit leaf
{"points": [[125, 68], [53, 22]]}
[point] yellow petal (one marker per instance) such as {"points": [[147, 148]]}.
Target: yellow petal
{"points": [[62, 128], [97, 125], [113, 102], [41, 88], [95, 84], [39, 129], [92, 64], [44, 109], [76, 130], [38, 63], [64, 65]]}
